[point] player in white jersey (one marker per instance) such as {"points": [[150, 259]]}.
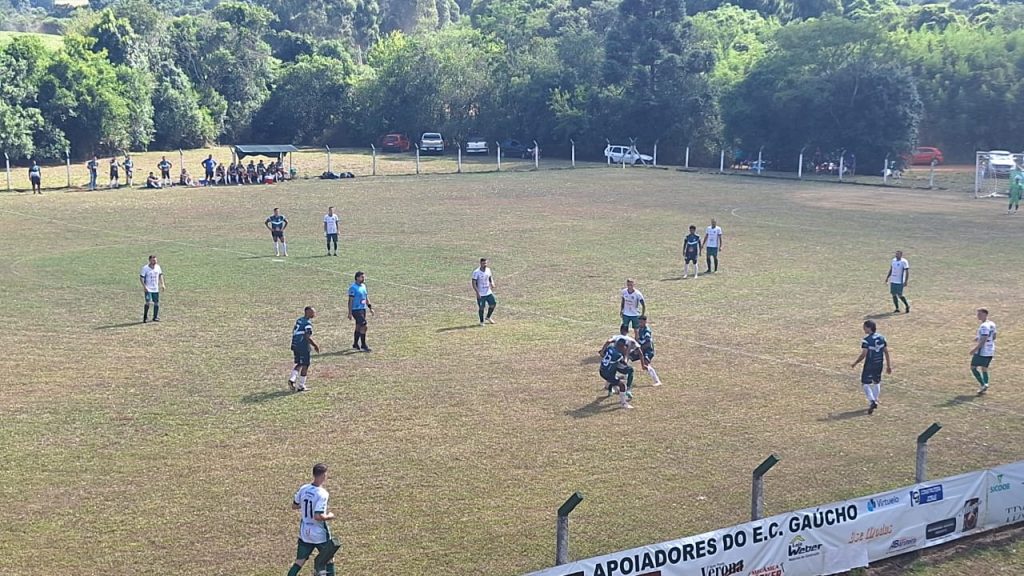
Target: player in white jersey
{"points": [[631, 306], [983, 351], [152, 278], [483, 289], [331, 221], [898, 278], [314, 533], [712, 244]]}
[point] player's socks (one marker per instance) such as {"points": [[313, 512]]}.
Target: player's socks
{"points": [[480, 312], [896, 302], [145, 313], [295, 569], [867, 392], [355, 339], [654, 375], [156, 312], [284, 248], [362, 341], [302, 381], [629, 381], [984, 379], [295, 374], [876, 392], [277, 249], [977, 375], [905, 303]]}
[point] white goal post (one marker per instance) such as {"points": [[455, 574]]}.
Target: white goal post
{"points": [[992, 172]]}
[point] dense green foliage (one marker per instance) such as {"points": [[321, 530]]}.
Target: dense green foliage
{"points": [[870, 76]]}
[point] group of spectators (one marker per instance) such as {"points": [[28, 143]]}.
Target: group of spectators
{"points": [[214, 173]]}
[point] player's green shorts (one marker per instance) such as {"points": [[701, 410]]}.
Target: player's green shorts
{"points": [[631, 321], [711, 251], [895, 289], [489, 300], [303, 550], [979, 360], [153, 297], [1014, 195]]}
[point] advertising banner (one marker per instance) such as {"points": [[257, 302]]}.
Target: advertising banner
{"points": [[828, 539]]}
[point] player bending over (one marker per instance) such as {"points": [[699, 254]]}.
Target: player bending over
{"points": [[646, 352], [302, 340], [614, 363], [874, 351]]}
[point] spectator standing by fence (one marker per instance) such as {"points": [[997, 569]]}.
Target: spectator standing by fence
{"points": [[94, 167], [35, 176]]}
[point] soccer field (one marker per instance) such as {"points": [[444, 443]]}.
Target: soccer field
{"points": [[175, 449]]}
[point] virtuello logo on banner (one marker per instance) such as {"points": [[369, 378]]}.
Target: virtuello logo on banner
{"points": [[722, 569], [882, 502], [926, 495]]}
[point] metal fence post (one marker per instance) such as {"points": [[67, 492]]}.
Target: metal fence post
{"points": [[417, 159], [686, 163], [760, 165], [498, 146], [7, 160], [608, 157], [842, 164], [373, 164], [921, 468], [757, 488], [931, 175], [181, 159], [573, 143], [721, 162], [800, 165], [67, 159], [536, 156], [885, 170], [459, 169], [328, 148], [654, 157], [562, 529]]}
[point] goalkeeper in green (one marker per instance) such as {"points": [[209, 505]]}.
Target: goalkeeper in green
{"points": [[1016, 186]]}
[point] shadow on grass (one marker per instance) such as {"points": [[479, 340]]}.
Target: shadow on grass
{"points": [[454, 328], [672, 279], [260, 397], [958, 400], [257, 257], [595, 407], [345, 352], [588, 359], [122, 325], [843, 416], [879, 315]]}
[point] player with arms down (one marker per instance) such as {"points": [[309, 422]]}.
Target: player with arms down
{"points": [[314, 533], [874, 352], [302, 340]]}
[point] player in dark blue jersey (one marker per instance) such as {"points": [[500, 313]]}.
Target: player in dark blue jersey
{"points": [[614, 363], [276, 223], [302, 341], [874, 352], [691, 252], [646, 341]]}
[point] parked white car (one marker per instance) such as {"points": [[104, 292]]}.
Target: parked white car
{"points": [[626, 154], [477, 145], [431, 143], [1001, 161]]}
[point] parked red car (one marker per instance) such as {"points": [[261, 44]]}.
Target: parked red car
{"points": [[395, 142], [925, 155]]}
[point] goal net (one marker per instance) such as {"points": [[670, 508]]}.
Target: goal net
{"points": [[992, 172]]}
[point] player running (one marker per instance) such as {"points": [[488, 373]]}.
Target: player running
{"points": [[358, 304], [614, 363], [691, 253], [646, 352], [631, 306], [302, 340], [874, 352], [314, 534], [712, 244], [983, 351], [483, 288], [898, 278], [276, 223]]}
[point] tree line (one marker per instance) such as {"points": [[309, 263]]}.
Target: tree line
{"points": [[874, 77]]}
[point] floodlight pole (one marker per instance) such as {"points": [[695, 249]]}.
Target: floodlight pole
{"points": [[573, 145], [921, 468], [760, 166], [800, 165], [536, 156], [459, 144], [686, 163], [562, 528], [608, 157], [67, 160], [721, 162], [842, 164], [181, 158], [498, 147], [654, 160], [757, 487], [7, 159], [328, 148], [417, 159], [977, 173], [885, 170]]}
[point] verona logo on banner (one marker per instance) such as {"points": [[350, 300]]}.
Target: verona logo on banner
{"points": [[999, 486], [902, 544], [722, 569], [926, 495], [882, 502], [800, 548], [769, 570]]}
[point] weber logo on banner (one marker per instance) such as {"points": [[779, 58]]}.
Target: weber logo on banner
{"points": [[926, 495]]}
